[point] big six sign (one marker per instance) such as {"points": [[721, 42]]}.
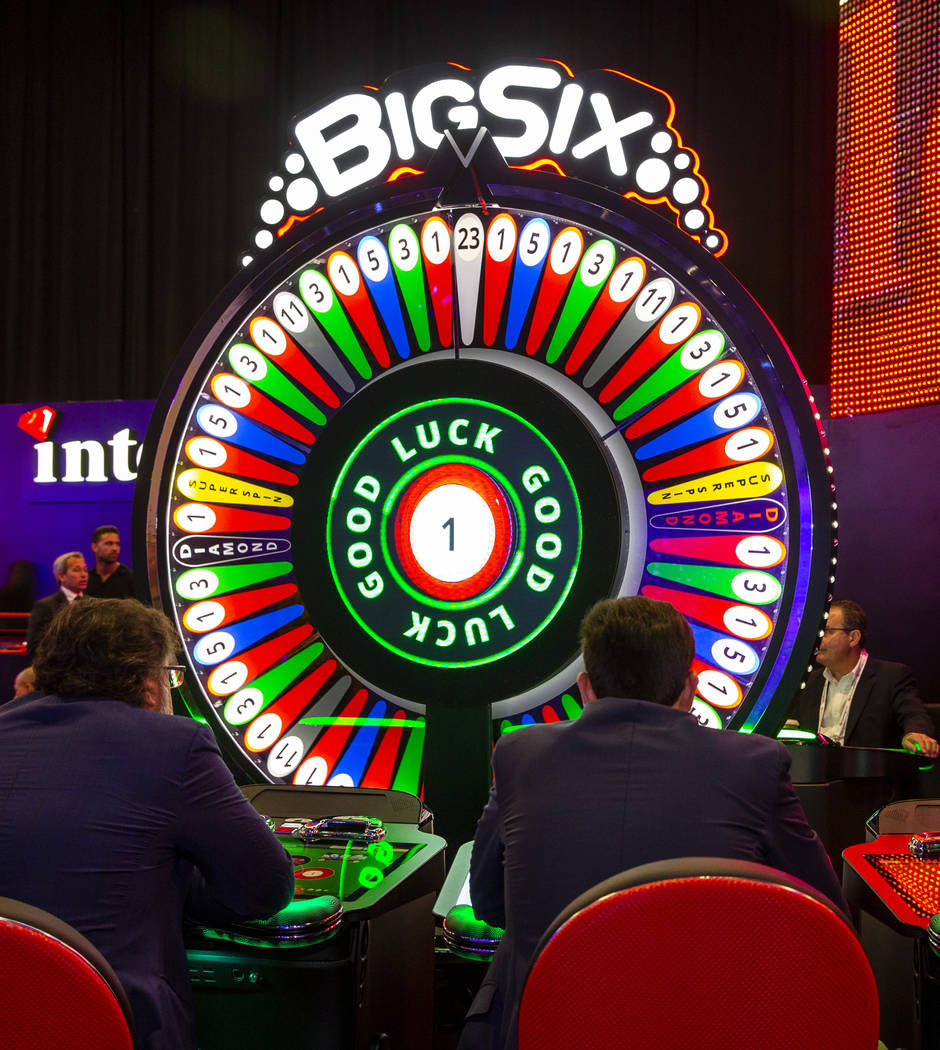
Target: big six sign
{"points": [[603, 127]]}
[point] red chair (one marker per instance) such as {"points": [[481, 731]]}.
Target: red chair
{"points": [[700, 954], [56, 988]]}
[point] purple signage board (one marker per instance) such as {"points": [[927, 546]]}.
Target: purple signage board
{"points": [[68, 467]]}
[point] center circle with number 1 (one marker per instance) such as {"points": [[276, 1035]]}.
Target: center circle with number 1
{"points": [[454, 532]]}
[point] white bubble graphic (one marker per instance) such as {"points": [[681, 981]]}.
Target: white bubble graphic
{"points": [[272, 211], [652, 176], [685, 191], [301, 194]]}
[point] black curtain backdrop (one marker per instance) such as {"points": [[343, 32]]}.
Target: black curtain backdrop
{"points": [[137, 137]]}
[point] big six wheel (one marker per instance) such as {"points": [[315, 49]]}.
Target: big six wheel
{"points": [[399, 460]]}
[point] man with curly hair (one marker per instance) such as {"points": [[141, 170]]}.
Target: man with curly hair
{"points": [[115, 816]]}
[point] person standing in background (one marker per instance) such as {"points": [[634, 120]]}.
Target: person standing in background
{"points": [[72, 573], [109, 578], [25, 682]]}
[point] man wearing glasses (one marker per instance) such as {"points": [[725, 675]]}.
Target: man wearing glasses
{"points": [[115, 816], [859, 701]]}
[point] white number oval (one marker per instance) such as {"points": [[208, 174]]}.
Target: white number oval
{"points": [[204, 616], [626, 279], [501, 238], [435, 240], [268, 336], [291, 312]]}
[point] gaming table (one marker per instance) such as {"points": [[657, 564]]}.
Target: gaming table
{"points": [[885, 881], [349, 960]]}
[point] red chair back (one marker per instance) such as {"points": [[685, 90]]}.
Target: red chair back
{"points": [[700, 954], [56, 989]]}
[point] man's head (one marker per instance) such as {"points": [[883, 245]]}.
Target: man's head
{"points": [[108, 647], [843, 637], [106, 544], [71, 571], [638, 649], [25, 682]]}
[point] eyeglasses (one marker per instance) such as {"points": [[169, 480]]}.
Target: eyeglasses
{"points": [[829, 630], [175, 673]]}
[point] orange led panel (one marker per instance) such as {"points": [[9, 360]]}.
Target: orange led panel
{"points": [[886, 281]]}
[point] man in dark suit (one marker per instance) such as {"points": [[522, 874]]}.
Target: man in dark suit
{"points": [[115, 814], [857, 700], [72, 573], [634, 779]]}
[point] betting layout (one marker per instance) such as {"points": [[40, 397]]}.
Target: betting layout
{"points": [[421, 451]]}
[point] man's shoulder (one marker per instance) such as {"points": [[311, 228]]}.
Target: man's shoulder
{"points": [[123, 582], [50, 600], [119, 584], [529, 737], [747, 747], [874, 666], [172, 727], [176, 730], [99, 711], [13, 707], [535, 737], [748, 760], [159, 743]]}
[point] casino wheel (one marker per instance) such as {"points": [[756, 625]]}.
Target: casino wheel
{"points": [[400, 461]]}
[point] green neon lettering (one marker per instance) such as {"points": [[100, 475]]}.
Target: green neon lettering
{"points": [[404, 454], [419, 627], [533, 478], [367, 487], [359, 519], [452, 431], [503, 615], [547, 509], [475, 624], [538, 579], [485, 435], [450, 633], [548, 546], [372, 586], [359, 555], [428, 438]]}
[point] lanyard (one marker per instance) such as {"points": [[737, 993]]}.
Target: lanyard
{"points": [[839, 734]]}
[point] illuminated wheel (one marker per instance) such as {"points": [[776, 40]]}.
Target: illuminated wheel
{"points": [[408, 452]]}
